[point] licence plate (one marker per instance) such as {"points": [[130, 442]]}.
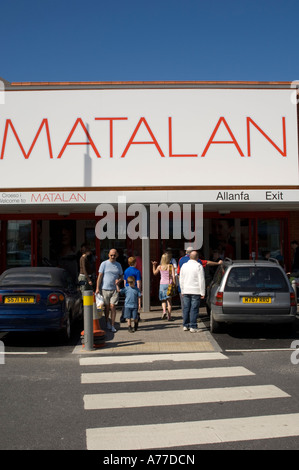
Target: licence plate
{"points": [[256, 300], [19, 299]]}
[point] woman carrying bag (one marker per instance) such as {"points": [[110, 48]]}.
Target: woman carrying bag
{"points": [[167, 278]]}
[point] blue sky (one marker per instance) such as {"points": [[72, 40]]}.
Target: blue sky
{"points": [[121, 40]]}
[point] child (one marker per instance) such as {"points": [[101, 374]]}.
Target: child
{"points": [[131, 271], [132, 303]]}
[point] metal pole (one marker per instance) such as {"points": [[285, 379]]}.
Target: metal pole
{"points": [[146, 266], [88, 319]]}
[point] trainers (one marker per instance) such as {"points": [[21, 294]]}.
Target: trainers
{"points": [[108, 325], [113, 329], [193, 330], [185, 328]]}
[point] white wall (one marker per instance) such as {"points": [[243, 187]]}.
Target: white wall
{"points": [[116, 159]]}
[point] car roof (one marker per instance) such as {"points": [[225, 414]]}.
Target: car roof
{"points": [[57, 274], [250, 262]]}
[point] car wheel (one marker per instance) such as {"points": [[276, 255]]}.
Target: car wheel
{"points": [[65, 333], [68, 328], [81, 311], [215, 326]]}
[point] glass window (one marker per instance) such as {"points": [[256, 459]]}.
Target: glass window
{"points": [[219, 274], [18, 246], [256, 277], [223, 237], [269, 238]]}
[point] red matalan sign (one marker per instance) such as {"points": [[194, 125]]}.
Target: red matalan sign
{"points": [[152, 140]]}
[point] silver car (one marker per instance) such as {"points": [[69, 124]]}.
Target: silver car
{"points": [[250, 292]]}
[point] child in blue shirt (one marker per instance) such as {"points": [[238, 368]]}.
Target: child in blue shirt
{"points": [[132, 303], [133, 271]]}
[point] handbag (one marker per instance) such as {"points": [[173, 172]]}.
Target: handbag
{"points": [[171, 290]]}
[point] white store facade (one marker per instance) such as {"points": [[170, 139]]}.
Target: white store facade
{"points": [[66, 148]]}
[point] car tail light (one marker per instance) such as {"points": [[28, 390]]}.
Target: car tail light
{"points": [[219, 299], [293, 299], [55, 298]]}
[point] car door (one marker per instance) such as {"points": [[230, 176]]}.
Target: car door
{"points": [[214, 285]]}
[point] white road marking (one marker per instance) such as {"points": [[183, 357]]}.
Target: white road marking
{"points": [[155, 375], [23, 353], [157, 436], [260, 350], [144, 358], [180, 397]]}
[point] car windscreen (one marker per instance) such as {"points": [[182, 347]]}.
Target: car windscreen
{"points": [[26, 279], [245, 278]]}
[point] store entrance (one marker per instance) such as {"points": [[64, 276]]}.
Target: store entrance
{"points": [[234, 236], [39, 241], [258, 236], [60, 245]]}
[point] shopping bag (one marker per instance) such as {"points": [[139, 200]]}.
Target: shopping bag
{"points": [[99, 301]]}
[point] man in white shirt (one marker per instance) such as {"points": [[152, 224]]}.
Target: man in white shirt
{"points": [[192, 283]]}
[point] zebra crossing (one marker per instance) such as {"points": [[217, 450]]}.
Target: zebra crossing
{"points": [[176, 433]]}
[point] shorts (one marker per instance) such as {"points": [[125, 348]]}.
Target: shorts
{"points": [[110, 297], [82, 282], [131, 312]]}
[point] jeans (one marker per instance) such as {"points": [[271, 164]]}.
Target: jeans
{"points": [[191, 304]]}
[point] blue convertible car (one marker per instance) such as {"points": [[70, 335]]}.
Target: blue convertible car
{"points": [[38, 299]]}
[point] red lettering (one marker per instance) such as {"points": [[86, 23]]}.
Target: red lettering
{"points": [[26, 155], [111, 129], [282, 152], [233, 141], [131, 141], [170, 142], [90, 141]]}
